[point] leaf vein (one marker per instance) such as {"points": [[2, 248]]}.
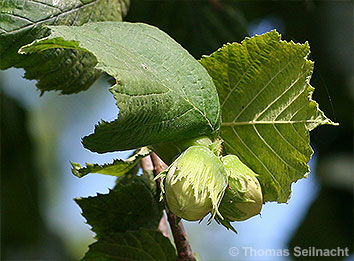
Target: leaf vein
{"points": [[145, 94], [75, 18], [54, 17], [260, 161], [268, 122], [260, 91], [45, 4], [127, 53], [282, 136], [280, 96], [273, 151], [309, 121], [162, 121], [237, 84]]}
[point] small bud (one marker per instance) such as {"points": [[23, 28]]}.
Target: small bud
{"points": [[195, 183], [243, 196]]}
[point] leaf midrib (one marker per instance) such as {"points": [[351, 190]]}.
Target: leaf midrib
{"points": [[268, 122], [54, 17]]}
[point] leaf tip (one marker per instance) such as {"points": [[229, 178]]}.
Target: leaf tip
{"points": [[75, 169], [77, 200]]}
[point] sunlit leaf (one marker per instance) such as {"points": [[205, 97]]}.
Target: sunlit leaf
{"points": [[267, 110]]}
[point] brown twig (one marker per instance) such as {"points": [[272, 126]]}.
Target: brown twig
{"points": [[146, 164], [158, 164], [183, 247], [163, 226]]}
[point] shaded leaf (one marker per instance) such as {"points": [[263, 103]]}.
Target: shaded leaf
{"points": [[267, 110], [21, 22], [162, 92], [132, 245], [117, 168], [129, 206]]}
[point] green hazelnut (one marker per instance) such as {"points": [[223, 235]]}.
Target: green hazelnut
{"points": [[243, 196], [194, 184]]}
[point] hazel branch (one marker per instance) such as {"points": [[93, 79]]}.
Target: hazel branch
{"points": [[183, 247], [146, 164]]}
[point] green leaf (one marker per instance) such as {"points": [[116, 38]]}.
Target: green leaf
{"points": [[132, 245], [131, 205], [21, 22], [125, 222], [163, 93], [267, 110], [117, 168]]}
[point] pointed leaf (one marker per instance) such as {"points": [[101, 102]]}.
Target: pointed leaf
{"points": [[132, 245], [21, 22], [129, 206], [163, 93], [117, 168], [267, 110]]}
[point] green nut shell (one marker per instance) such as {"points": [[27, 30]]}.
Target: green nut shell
{"points": [[243, 196], [182, 201], [195, 184]]}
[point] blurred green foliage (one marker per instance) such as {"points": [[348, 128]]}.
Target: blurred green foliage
{"points": [[24, 233]]}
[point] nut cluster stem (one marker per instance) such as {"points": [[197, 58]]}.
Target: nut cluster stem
{"points": [[184, 250]]}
